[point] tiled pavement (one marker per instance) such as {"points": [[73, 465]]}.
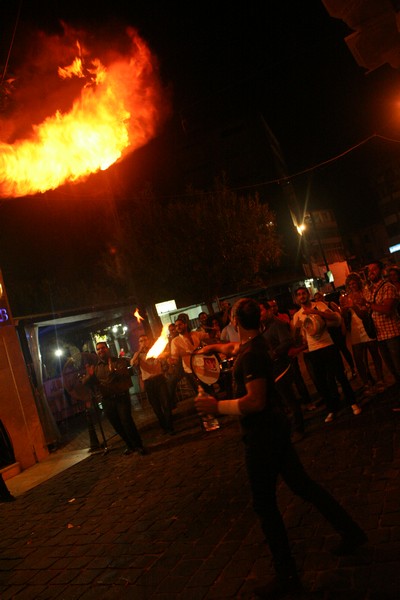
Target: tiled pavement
{"points": [[178, 524]]}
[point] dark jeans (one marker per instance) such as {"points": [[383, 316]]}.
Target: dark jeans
{"points": [[328, 367], [390, 351], [285, 389], [159, 398], [270, 453], [360, 352], [299, 382], [118, 411], [339, 339]]}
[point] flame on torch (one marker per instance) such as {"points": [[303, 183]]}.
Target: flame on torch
{"points": [[160, 344], [138, 316]]}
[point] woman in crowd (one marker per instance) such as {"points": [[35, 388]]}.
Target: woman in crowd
{"points": [[353, 306]]}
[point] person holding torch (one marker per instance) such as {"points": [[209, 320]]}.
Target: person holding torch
{"points": [[270, 453]]}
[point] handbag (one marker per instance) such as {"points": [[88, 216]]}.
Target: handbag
{"points": [[369, 326]]}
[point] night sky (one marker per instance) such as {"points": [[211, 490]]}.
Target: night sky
{"points": [[285, 60]]}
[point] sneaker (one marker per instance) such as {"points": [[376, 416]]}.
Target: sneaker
{"points": [[142, 451], [290, 587], [356, 409], [350, 543], [127, 451], [330, 417]]}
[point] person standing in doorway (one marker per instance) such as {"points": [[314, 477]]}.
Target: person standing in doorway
{"points": [[111, 379]]}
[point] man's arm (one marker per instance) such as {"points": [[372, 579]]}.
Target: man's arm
{"points": [[252, 402], [331, 317], [386, 307], [228, 348], [135, 359]]}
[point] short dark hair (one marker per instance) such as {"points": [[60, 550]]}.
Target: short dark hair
{"points": [[184, 319], [378, 263], [302, 287], [247, 311]]}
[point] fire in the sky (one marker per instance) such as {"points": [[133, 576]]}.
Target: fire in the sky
{"points": [[118, 109]]}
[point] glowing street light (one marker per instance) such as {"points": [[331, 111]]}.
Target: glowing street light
{"points": [[300, 228], [59, 352]]}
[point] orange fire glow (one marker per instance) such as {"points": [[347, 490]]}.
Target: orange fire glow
{"points": [[138, 315], [160, 344], [118, 109]]}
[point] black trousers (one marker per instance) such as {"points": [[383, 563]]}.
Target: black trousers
{"points": [[328, 367], [158, 395], [270, 453], [118, 411], [285, 389]]}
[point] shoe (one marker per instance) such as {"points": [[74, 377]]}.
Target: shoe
{"points": [[349, 544], [142, 451], [127, 452], [9, 498], [330, 417], [290, 587], [356, 409]]}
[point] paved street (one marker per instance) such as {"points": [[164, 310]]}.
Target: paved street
{"points": [[178, 524]]}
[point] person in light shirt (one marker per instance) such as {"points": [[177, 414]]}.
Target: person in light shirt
{"points": [[155, 384], [186, 342], [311, 323]]}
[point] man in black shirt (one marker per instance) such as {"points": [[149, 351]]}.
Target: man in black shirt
{"points": [[270, 453], [111, 379]]}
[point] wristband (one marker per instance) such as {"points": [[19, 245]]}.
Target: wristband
{"points": [[228, 407]]}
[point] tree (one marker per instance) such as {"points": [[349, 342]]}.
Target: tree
{"points": [[196, 248]]}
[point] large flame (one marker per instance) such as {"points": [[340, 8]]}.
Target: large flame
{"points": [[160, 344], [119, 109]]}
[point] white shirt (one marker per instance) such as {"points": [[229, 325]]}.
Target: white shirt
{"points": [[229, 334], [182, 347], [320, 340]]}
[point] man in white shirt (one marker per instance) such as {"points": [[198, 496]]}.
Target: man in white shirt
{"points": [[155, 384], [185, 344], [311, 322]]}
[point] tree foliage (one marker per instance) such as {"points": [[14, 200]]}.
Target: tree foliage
{"points": [[195, 248]]}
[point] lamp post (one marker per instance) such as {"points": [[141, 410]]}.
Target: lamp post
{"points": [[320, 245], [301, 228]]}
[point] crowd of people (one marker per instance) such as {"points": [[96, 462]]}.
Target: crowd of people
{"points": [[319, 330], [268, 387]]}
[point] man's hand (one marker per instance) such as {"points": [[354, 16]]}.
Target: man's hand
{"points": [[208, 405]]}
